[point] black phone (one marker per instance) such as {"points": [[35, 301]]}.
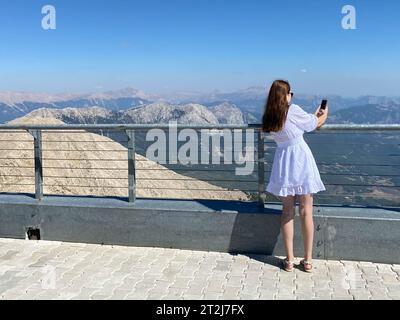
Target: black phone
{"points": [[323, 104]]}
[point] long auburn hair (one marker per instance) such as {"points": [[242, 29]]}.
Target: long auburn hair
{"points": [[276, 107]]}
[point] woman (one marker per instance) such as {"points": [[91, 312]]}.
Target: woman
{"points": [[294, 171]]}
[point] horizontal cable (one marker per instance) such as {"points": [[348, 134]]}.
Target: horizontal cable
{"points": [[345, 195], [194, 179], [360, 185], [149, 188], [221, 163], [17, 158], [358, 174], [30, 141], [144, 179], [77, 131], [339, 199], [87, 159], [19, 131], [82, 168], [358, 165], [186, 169], [355, 174], [82, 186], [197, 180], [196, 189], [77, 177], [19, 167], [85, 150], [347, 144], [16, 184], [86, 141], [316, 154], [2, 149], [357, 131], [16, 175]]}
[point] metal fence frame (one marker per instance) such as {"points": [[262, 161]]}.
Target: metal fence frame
{"points": [[129, 129]]}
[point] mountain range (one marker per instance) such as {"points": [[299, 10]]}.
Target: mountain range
{"points": [[130, 105], [158, 112]]}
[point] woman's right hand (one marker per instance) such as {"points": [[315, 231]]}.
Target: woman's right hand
{"points": [[320, 112]]}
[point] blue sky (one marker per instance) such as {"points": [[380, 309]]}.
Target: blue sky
{"points": [[200, 45]]}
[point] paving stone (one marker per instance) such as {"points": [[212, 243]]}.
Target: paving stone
{"points": [[393, 287], [235, 281], [211, 296], [344, 297], [388, 278], [267, 290], [215, 286], [190, 297], [247, 296], [194, 290], [229, 297], [395, 295], [181, 282], [279, 296], [327, 297], [119, 294]]}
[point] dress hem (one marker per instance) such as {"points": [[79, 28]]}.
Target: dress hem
{"points": [[310, 187]]}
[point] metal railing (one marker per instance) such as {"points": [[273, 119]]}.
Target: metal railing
{"points": [[131, 139]]}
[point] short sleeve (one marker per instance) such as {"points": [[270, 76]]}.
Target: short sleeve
{"points": [[305, 121]]}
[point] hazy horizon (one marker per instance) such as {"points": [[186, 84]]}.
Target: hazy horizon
{"points": [[188, 92]]}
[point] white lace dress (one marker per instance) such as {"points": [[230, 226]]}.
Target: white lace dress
{"points": [[294, 170]]}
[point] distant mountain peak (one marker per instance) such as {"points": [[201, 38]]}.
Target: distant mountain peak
{"points": [[128, 92]]}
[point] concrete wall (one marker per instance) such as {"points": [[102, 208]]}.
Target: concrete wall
{"points": [[348, 233]]}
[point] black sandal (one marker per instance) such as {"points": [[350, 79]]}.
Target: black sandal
{"points": [[288, 265], [307, 265]]}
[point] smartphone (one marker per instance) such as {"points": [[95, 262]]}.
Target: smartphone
{"points": [[323, 104]]}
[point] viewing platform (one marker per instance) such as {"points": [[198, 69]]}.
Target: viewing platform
{"points": [[97, 184]]}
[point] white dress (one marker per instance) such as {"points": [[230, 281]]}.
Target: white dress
{"points": [[294, 170]]}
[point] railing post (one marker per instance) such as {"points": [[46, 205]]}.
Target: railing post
{"points": [[131, 165], [261, 167], [37, 144]]}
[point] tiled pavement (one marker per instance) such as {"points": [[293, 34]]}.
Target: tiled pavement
{"points": [[55, 270]]}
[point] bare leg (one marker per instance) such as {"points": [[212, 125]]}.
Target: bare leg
{"points": [[307, 224], [287, 224]]}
